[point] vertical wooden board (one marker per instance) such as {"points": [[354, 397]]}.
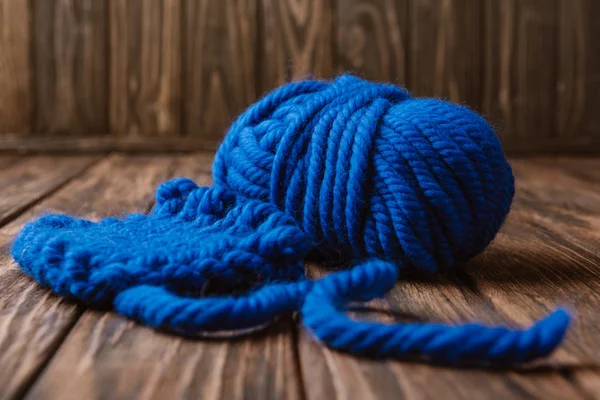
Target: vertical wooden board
{"points": [[446, 50], [335, 375], [108, 356], [15, 67], [33, 321], [372, 37], [296, 41], [145, 67], [70, 66], [219, 64], [578, 81], [521, 68]]}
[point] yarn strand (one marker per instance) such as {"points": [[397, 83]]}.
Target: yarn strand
{"points": [[156, 307], [323, 309]]}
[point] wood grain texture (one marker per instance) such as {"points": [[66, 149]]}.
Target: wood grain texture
{"points": [[35, 321], [9, 160], [372, 39], [15, 67], [446, 49], [520, 72], [24, 183], [548, 254], [70, 66], [219, 64], [295, 41], [145, 67], [578, 81], [107, 356]]}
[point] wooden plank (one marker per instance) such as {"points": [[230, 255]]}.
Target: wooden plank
{"points": [[578, 80], [295, 41], [15, 67], [520, 68], [548, 255], [36, 321], [446, 50], [341, 376], [219, 64], [144, 144], [575, 221], [545, 256], [549, 248], [25, 183], [9, 160], [145, 67], [90, 362], [159, 366], [104, 144], [70, 66], [372, 39]]}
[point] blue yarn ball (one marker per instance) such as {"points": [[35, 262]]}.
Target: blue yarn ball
{"points": [[352, 170], [368, 171]]}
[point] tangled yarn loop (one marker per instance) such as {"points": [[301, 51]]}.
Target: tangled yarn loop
{"points": [[351, 171]]}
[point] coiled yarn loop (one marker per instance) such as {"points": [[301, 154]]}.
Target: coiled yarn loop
{"points": [[354, 172]]}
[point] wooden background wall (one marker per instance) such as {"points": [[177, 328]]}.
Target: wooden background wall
{"points": [[172, 74]]}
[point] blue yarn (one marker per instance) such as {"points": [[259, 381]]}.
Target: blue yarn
{"points": [[352, 171]]}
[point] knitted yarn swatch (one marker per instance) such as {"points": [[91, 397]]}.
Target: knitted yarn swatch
{"points": [[349, 171]]}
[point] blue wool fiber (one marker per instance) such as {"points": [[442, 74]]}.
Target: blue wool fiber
{"points": [[351, 171]]}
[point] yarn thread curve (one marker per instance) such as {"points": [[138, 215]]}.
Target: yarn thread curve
{"points": [[350, 171]]}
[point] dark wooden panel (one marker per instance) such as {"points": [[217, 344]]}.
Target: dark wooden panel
{"points": [[446, 49], [15, 66], [71, 66], [145, 67], [219, 64], [38, 321], [372, 39], [578, 82], [90, 362], [295, 41], [521, 68]]}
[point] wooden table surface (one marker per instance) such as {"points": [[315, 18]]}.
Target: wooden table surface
{"points": [[547, 254]]}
